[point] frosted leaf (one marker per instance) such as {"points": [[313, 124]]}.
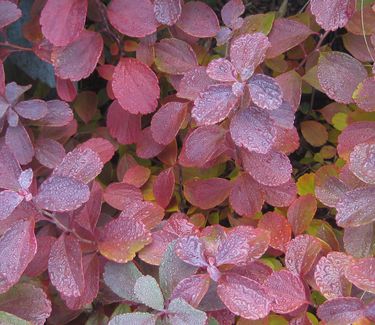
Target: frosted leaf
{"points": [[251, 129], [214, 104], [361, 273], [59, 114], [49, 153], [286, 290], [9, 200], [65, 266], [198, 19], [231, 11], [301, 254], [9, 168], [134, 318], [163, 187], [17, 249], [63, 21], [78, 60], [332, 14], [265, 92], [81, 164], [121, 278], [341, 311], [362, 162], [283, 117], [60, 193], [247, 52], [9, 13], [358, 240], [120, 195], [147, 147], [25, 179], [330, 275], [279, 228], [148, 292], [221, 70], [206, 193], [245, 196], [270, 169], [174, 56], [135, 86], [184, 314], [167, 12], [244, 297], [301, 212], [193, 83], [192, 289], [132, 18], [339, 75], [14, 92], [190, 249], [282, 195], [18, 141], [356, 208], [33, 109], [167, 121], [363, 95]]}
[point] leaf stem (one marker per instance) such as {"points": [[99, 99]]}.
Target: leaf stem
{"points": [[15, 47]]}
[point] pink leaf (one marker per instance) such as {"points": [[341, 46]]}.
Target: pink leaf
{"points": [[147, 147], [9, 13], [135, 86], [245, 196], [251, 129], [193, 83], [270, 169], [207, 193], [286, 290], [33, 109], [120, 195], [2, 79], [244, 297], [341, 311], [61, 193], [339, 75], [360, 273], [331, 15], [123, 126], [282, 195], [358, 240], [291, 86], [283, 117], [65, 266], [66, 89], [301, 212], [231, 11], [101, 146], [49, 153], [26, 178], [190, 250], [363, 95], [198, 19], [362, 162], [62, 22], [78, 60], [163, 187], [167, 12], [9, 200], [137, 176], [214, 104], [18, 141], [247, 52], [167, 121], [221, 70], [174, 56], [265, 92], [135, 19], [10, 169], [59, 114], [14, 92]]}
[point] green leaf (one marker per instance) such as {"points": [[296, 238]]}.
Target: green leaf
{"points": [[121, 309], [340, 121], [9, 319], [306, 184], [148, 292]]}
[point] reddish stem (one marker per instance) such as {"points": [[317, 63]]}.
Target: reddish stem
{"points": [[15, 47]]}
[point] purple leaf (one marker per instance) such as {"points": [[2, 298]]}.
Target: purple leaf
{"points": [[9, 200], [9, 13], [167, 12], [49, 153], [190, 250], [221, 70], [265, 92], [18, 141], [33, 109]]}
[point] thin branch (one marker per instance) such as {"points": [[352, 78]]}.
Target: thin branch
{"points": [[15, 47]]}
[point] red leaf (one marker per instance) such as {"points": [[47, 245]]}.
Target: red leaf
{"points": [[2, 79], [9, 13], [104, 149], [245, 196], [214, 104], [202, 145], [120, 195], [135, 19], [198, 19], [62, 22], [279, 228], [192, 289], [59, 114], [207, 193], [85, 105], [231, 11], [174, 56], [66, 89], [360, 273], [137, 176], [17, 249], [33, 109], [221, 70], [65, 266], [301, 213], [123, 126], [363, 95], [122, 238], [193, 83], [358, 240], [78, 60], [341, 311], [163, 187], [339, 75], [167, 12], [135, 86], [362, 162], [10, 169], [286, 290], [164, 132], [49, 153], [291, 86], [9, 200], [251, 129], [18, 141], [265, 92], [301, 254], [331, 15], [244, 297], [147, 147], [190, 249], [282, 195]]}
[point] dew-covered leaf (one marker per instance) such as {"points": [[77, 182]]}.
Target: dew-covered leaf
{"points": [[61, 193], [33, 109], [265, 92], [183, 313], [244, 297], [9, 200], [301, 212], [198, 19], [221, 70], [132, 18], [63, 21], [135, 86], [59, 114], [163, 187], [206, 193], [78, 60], [360, 273], [231, 11], [18, 141], [291, 86], [147, 147], [134, 318], [137, 176], [251, 129], [48, 152], [191, 250], [148, 292], [167, 121], [9, 13], [174, 56], [10, 169], [286, 290], [358, 241], [104, 148], [283, 117], [120, 195], [167, 12], [363, 95], [332, 14], [282, 195], [339, 75], [66, 89], [214, 104], [193, 82], [362, 162], [17, 249]]}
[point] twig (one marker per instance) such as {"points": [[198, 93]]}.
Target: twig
{"points": [[15, 46]]}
